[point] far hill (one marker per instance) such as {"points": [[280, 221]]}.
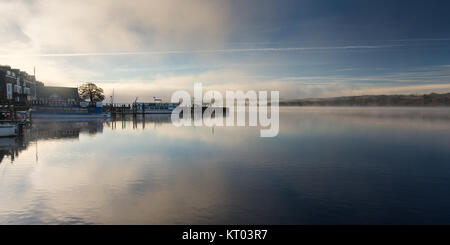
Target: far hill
{"points": [[432, 99]]}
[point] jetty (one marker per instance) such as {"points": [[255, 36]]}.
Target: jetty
{"points": [[148, 108]]}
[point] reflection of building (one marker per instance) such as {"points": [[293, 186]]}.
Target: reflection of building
{"points": [[11, 147], [42, 130], [51, 130], [46, 131]]}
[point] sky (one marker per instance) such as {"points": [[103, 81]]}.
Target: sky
{"points": [[302, 48]]}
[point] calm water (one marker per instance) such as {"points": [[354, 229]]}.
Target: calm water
{"points": [[327, 166]]}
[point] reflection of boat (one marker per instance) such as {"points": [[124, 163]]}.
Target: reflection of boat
{"points": [[7, 143], [8, 147]]}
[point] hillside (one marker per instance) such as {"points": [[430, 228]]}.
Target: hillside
{"points": [[432, 99]]}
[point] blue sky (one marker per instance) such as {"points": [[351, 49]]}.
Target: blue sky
{"points": [[301, 48]]}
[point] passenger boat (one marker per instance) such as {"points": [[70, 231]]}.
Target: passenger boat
{"points": [[23, 117], [84, 110], [8, 129], [154, 108], [8, 126]]}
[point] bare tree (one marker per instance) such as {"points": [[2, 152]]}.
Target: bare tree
{"points": [[92, 92]]}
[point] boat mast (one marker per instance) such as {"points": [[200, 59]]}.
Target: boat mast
{"points": [[34, 74], [112, 98]]}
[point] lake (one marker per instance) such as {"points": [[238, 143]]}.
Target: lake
{"points": [[327, 166]]}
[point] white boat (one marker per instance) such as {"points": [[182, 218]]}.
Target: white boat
{"points": [[8, 129], [154, 108]]}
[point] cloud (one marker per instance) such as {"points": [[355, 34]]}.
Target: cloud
{"points": [[120, 45], [174, 52], [43, 28], [289, 87], [86, 26]]}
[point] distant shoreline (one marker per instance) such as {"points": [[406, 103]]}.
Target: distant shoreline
{"points": [[426, 100]]}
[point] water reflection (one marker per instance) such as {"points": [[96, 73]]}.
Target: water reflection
{"points": [[139, 121], [42, 130], [11, 147], [327, 166], [47, 130]]}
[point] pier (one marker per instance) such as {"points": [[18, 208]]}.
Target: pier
{"points": [[132, 109]]}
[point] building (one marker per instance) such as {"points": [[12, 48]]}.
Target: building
{"points": [[16, 86], [56, 95], [19, 87]]}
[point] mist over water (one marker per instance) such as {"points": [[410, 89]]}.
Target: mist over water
{"points": [[327, 166]]}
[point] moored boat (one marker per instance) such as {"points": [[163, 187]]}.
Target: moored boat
{"points": [[8, 129], [8, 124], [154, 108], [84, 110]]}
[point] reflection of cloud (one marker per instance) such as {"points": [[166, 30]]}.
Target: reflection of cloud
{"points": [[392, 89], [298, 121], [92, 188], [167, 175]]}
